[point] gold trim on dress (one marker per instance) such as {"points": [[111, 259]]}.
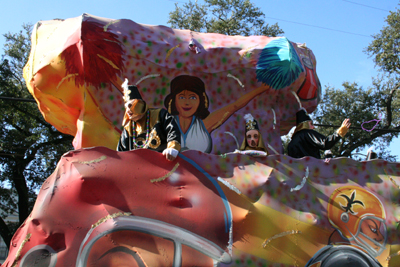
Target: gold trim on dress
{"points": [[157, 144], [174, 144]]}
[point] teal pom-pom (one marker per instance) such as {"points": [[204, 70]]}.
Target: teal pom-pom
{"points": [[278, 65]]}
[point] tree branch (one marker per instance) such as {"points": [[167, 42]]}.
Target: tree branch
{"points": [[5, 232], [389, 106], [32, 152]]}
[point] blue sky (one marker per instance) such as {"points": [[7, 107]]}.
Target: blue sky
{"points": [[337, 31]]}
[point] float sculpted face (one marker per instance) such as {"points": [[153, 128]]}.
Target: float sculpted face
{"points": [[135, 109], [186, 103], [252, 137]]}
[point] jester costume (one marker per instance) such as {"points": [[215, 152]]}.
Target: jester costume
{"points": [[251, 124], [308, 142], [154, 129]]}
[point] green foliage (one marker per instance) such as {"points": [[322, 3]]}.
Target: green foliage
{"points": [[361, 105], [230, 17], [385, 48], [29, 147]]}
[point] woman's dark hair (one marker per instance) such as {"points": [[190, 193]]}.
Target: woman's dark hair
{"points": [[190, 83]]}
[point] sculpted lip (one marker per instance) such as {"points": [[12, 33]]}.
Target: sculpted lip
{"points": [[186, 109]]}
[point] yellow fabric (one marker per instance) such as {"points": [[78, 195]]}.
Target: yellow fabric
{"points": [[301, 126], [154, 119], [174, 144], [342, 131]]}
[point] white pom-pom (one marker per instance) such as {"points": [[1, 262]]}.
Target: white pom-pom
{"points": [[124, 85], [248, 117]]}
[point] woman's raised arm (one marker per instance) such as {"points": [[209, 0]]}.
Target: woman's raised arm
{"points": [[218, 117]]}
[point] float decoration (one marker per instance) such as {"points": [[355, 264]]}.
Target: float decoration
{"points": [[76, 68], [102, 207], [106, 208]]}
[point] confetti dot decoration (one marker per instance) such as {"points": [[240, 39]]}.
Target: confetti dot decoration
{"points": [[142, 50]]}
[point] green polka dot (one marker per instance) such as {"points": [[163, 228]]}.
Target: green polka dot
{"points": [[219, 90], [115, 122], [144, 89], [157, 91], [139, 51], [149, 43], [186, 54], [201, 61], [157, 60], [224, 60], [163, 91], [111, 97], [139, 73], [179, 65]]}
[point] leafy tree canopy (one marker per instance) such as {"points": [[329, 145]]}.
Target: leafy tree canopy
{"points": [[230, 17], [29, 147], [385, 48], [377, 104], [363, 105]]}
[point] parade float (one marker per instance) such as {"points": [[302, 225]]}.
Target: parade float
{"points": [[101, 207]]}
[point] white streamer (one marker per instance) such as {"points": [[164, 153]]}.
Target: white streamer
{"points": [[236, 78], [276, 152], [300, 186], [148, 76], [234, 137], [230, 186], [297, 98], [273, 111]]}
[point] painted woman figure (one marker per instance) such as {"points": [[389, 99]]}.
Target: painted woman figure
{"points": [[189, 104]]}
